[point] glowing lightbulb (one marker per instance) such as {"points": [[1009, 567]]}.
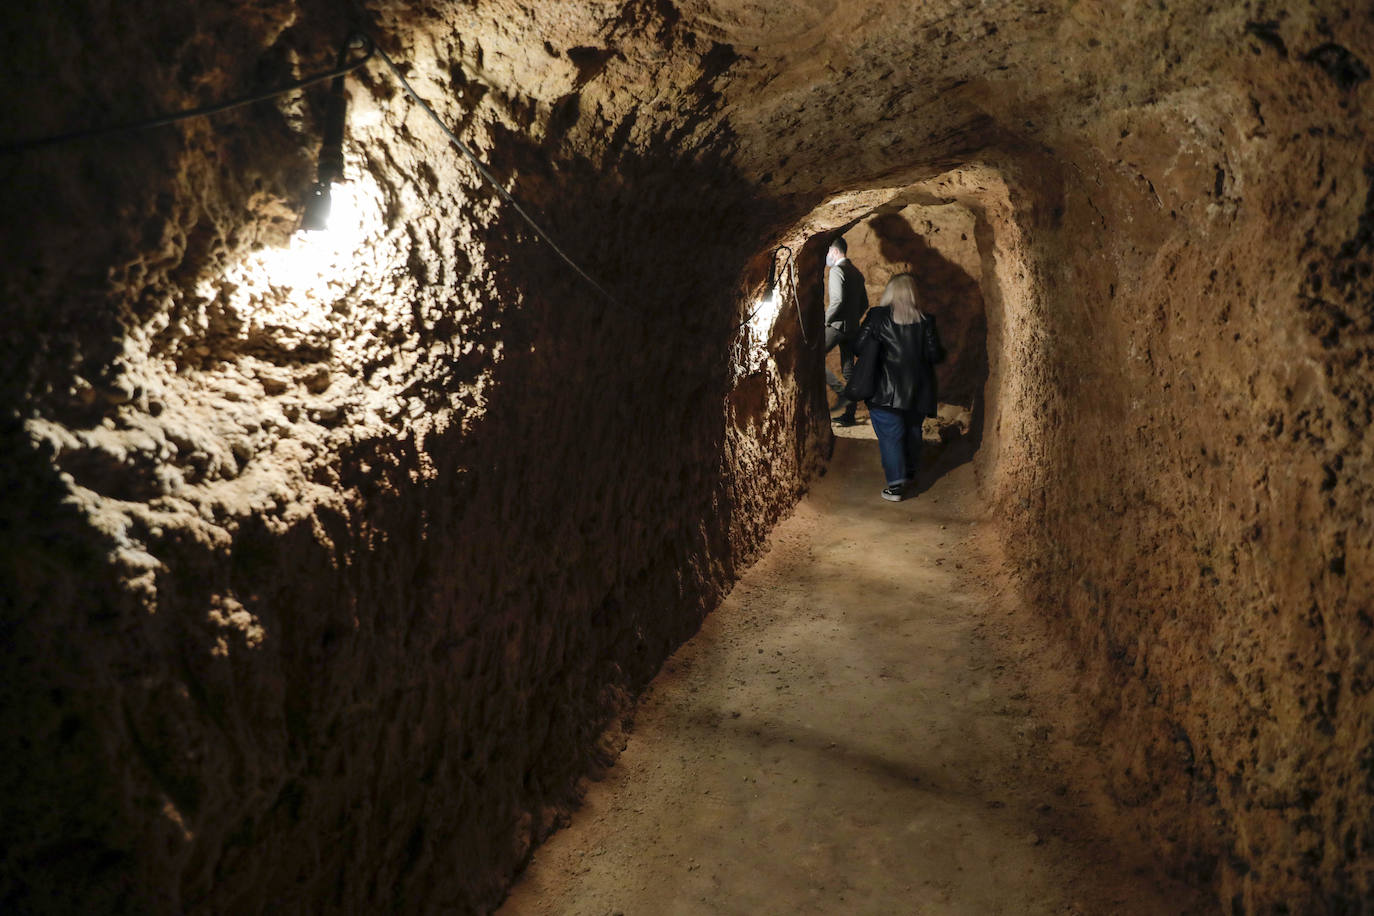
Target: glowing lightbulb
{"points": [[298, 284], [342, 215], [763, 316], [315, 257]]}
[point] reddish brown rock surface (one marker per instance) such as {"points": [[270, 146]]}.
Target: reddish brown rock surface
{"points": [[318, 592]]}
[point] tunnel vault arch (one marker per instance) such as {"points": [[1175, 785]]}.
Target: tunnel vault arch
{"points": [[306, 606], [1003, 273]]}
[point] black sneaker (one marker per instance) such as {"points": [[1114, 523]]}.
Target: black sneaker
{"points": [[843, 420], [893, 493]]}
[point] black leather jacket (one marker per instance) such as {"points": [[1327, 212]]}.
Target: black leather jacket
{"points": [[906, 367]]}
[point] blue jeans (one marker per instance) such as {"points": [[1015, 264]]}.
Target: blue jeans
{"points": [[899, 440]]}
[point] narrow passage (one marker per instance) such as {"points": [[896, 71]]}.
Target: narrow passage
{"points": [[843, 737]]}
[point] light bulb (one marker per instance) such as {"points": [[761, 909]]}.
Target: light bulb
{"points": [[317, 207]]}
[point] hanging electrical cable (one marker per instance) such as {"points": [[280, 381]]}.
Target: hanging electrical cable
{"points": [[343, 68], [491, 179], [790, 268], [331, 155], [775, 287], [330, 167], [796, 300], [331, 164]]}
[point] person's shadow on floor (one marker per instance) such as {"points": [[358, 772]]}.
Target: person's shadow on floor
{"points": [[954, 449]]}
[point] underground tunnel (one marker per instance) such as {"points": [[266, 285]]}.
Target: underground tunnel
{"points": [[335, 561]]}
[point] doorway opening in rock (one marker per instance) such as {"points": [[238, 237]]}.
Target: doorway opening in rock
{"points": [[937, 242]]}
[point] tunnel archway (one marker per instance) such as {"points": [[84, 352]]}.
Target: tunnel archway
{"points": [[942, 230]]}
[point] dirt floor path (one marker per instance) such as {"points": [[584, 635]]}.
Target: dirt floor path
{"points": [[845, 735]]}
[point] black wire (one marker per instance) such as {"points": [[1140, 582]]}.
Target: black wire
{"points": [[370, 49], [790, 267], [496, 185], [21, 146], [758, 308], [792, 272]]}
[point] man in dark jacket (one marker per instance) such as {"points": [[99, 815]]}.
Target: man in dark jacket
{"points": [[846, 302]]}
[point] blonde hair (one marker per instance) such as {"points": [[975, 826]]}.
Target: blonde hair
{"points": [[901, 295]]}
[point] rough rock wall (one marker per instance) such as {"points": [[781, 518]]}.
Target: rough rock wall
{"points": [[1206, 478], [1173, 211], [325, 567], [281, 641]]}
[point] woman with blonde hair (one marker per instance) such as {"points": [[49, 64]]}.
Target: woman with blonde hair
{"points": [[905, 390]]}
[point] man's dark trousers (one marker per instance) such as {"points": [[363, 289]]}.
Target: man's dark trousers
{"points": [[835, 337]]}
